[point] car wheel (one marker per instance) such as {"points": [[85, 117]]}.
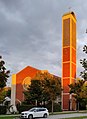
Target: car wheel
{"points": [[45, 116], [30, 117]]}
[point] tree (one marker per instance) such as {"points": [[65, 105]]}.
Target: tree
{"points": [[33, 95], [52, 86], [43, 87], [4, 75], [79, 89], [35, 92], [85, 49], [84, 64], [8, 93], [2, 95]]}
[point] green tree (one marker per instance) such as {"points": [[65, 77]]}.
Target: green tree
{"points": [[8, 93], [52, 86], [2, 95], [33, 95], [79, 89], [43, 87], [84, 64], [4, 75], [85, 49]]}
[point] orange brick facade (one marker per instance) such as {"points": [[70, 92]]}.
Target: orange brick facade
{"points": [[19, 83], [27, 72], [68, 58]]}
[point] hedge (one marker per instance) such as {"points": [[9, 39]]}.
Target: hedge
{"points": [[3, 109], [57, 107], [22, 108]]}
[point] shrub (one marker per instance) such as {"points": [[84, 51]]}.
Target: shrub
{"points": [[22, 108], [3, 109], [56, 107]]}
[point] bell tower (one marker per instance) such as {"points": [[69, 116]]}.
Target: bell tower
{"points": [[68, 58]]}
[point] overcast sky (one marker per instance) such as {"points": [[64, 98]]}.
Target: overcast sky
{"points": [[31, 33]]}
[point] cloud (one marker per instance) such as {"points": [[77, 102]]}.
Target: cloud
{"points": [[31, 33]]}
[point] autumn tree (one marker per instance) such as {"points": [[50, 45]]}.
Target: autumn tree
{"points": [[35, 93], [44, 87], [52, 86], [2, 95], [79, 89]]}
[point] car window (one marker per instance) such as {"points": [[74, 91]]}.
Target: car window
{"points": [[32, 110], [37, 109], [42, 109]]}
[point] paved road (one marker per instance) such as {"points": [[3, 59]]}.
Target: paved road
{"points": [[63, 116], [59, 116]]}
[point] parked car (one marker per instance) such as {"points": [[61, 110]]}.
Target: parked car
{"points": [[35, 112]]}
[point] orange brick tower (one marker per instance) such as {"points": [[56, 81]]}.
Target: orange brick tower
{"points": [[68, 58]]}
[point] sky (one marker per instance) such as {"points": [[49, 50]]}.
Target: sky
{"points": [[31, 33]]}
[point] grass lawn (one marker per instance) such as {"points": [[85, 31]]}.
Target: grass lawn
{"points": [[8, 117]]}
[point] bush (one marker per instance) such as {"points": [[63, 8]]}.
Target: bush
{"points": [[22, 108], [3, 109], [56, 107], [82, 106]]}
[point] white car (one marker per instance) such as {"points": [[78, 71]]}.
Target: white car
{"points": [[35, 112]]}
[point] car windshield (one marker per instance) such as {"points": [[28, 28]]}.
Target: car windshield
{"points": [[32, 110]]}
